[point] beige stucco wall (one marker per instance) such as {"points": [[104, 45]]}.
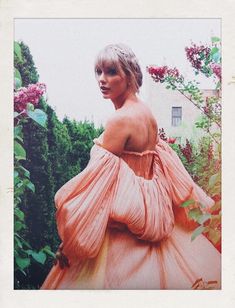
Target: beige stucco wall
{"points": [[161, 101]]}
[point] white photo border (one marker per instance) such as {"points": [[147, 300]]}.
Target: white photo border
{"points": [[11, 9]]}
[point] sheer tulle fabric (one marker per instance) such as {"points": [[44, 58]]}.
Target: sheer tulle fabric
{"points": [[122, 226]]}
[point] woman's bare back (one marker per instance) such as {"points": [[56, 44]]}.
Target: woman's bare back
{"points": [[131, 128], [142, 128]]}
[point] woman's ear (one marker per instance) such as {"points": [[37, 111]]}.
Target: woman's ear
{"points": [[128, 81]]}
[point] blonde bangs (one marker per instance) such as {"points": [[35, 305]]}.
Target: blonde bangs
{"points": [[108, 57]]}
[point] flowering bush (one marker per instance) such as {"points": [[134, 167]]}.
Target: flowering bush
{"points": [[187, 151], [204, 165], [202, 161]]}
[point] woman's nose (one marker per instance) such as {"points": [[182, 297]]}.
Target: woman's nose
{"points": [[102, 78]]}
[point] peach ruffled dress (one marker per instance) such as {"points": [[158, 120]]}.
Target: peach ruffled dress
{"points": [[122, 226]]}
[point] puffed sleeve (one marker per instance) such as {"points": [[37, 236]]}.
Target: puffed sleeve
{"points": [[181, 185], [83, 205]]}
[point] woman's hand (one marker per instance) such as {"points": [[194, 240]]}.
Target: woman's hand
{"points": [[61, 258]]}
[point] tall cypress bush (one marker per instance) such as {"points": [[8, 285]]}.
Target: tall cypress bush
{"points": [[54, 156]]}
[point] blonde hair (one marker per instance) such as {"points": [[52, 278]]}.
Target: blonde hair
{"points": [[124, 61]]}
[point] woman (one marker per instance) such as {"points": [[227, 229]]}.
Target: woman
{"points": [[120, 219]]}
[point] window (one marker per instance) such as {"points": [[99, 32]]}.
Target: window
{"points": [[176, 116]]}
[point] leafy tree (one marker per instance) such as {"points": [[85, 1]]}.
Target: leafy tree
{"points": [[25, 65], [82, 135], [59, 147]]}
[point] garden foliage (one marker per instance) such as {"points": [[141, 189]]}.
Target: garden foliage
{"points": [[47, 154], [202, 159]]}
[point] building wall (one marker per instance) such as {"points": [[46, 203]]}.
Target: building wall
{"points": [[161, 101]]}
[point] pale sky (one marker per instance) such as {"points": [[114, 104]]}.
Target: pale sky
{"points": [[64, 51]]}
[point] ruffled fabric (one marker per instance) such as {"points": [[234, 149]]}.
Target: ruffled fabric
{"points": [[122, 226]]}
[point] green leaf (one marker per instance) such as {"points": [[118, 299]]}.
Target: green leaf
{"points": [[18, 83], [30, 107], [38, 116], [18, 242], [17, 77], [195, 214], [19, 151], [214, 50], [29, 252], [17, 200], [203, 218], [19, 225], [23, 272], [218, 85], [23, 240], [40, 256], [17, 51], [25, 171], [17, 180], [47, 250], [19, 214], [16, 173], [22, 262], [214, 179], [19, 138], [187, 203], [197, 232], [202, 205], [215, 39], [215, 54], [216, 57], [31, 186]]}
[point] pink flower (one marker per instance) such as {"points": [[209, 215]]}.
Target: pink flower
{"points": [[31, 94], [171, 140], [160, 73], [157, 72], [216, 68], [197, 54]]}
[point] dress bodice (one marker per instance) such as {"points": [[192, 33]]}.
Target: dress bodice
{"points": [[140, 162]]}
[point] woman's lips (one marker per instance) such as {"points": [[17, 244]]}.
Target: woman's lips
{"points": [[104, 89]]}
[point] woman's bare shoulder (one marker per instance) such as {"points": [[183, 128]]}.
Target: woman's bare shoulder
{"points": [[131, 115], [120, 117]]}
